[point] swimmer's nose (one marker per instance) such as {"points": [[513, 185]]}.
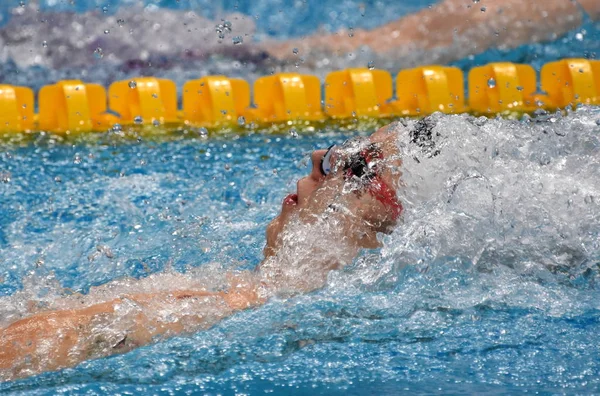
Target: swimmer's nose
{"points": [[316, 158], [308, 184]]}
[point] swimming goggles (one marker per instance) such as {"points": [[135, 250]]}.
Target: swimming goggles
{"points": [[362, 165]]}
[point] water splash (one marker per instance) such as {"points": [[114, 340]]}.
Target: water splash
{"points": [[496, 259]]}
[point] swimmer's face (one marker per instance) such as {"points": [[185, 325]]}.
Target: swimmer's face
{"points": [[354, 199]]}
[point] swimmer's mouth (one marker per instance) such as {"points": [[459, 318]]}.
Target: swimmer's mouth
{"points": [[291, 199]]}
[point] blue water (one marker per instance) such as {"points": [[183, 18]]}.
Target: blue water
{"points": [[492, 288], [422, 315]]}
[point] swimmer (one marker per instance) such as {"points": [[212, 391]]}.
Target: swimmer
{"points": [[447, 31], [348, 198]]}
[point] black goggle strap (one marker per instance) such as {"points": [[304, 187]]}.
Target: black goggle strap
{"points": [[326, 161]]}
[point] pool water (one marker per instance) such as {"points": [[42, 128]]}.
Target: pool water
{"points": [[489, 285]]}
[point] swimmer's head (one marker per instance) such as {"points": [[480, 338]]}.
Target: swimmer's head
{"points": [[355, 183]]}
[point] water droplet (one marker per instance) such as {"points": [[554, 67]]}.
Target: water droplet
{"points": [[98, 53], [132, 84], [5, 177], [203, 132], [106, 31], [293, 133], [295, 51], [45, 44], [371, 65], [237, 40], [120, 22], [241, 120], [138, 120], [491, 83], [156, 123]]}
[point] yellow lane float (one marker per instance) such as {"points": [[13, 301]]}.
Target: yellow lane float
{"points": [[287, 96], [428, 89], [16, 109], [145, 100], [212, 101], [215, 100]]}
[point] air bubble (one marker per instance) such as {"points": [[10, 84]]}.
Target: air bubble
{"points": [[579, 37], [156, 123], [295, 51], [491, 83], [45, 44], [371, 65], [241, 120], [117, 128], [106, 31], [483, 9], [138, 120], [77, 159], [132, 84], [237, 40], [293, 133], [120, 22]]}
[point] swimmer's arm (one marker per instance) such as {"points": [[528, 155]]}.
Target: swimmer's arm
{"points": [[591, 7], [457, 24], [58, 339]]}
